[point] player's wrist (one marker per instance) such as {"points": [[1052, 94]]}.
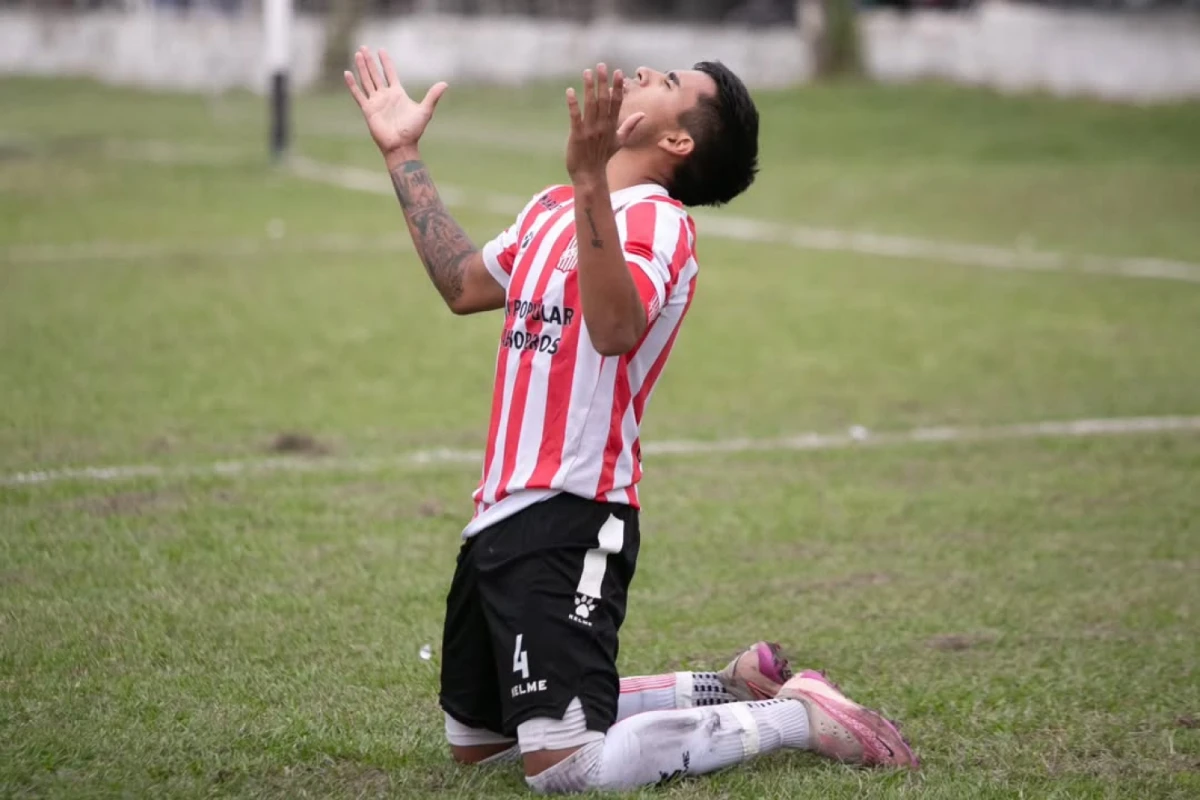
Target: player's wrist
{"points": [[396, 156], [589, 181]]}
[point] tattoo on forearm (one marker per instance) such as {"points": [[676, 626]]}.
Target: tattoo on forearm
{"points": [[597, 242], [442, 244]]}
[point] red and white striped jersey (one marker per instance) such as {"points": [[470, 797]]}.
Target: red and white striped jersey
{"points": [[565, 418]]}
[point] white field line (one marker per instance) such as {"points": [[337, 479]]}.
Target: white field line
{"points": [[737, 228], [155, 151], [279, 244], [805, 238], [857, 437], [478, 131], [150, 151]]}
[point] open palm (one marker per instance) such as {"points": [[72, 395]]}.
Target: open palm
{"points": [[597, 131], [395, 120]]}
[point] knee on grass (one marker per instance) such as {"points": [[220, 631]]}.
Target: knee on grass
{"points": [[478, 745], [561, 755], [484, 753], [578, 772]]}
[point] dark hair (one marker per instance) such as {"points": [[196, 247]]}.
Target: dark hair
{"points": [[724, 127]]}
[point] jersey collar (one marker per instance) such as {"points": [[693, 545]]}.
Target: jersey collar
{"points": [[631, 194]]}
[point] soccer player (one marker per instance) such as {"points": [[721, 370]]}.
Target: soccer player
{"points": [[594, 278]]}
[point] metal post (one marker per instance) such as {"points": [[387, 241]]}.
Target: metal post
{"points": [[277, 25]]}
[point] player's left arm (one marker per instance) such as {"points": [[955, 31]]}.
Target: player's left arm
{"points": [[611, 303]]}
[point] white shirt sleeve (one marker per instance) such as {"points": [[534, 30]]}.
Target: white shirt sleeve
{"points": [[656, 241], [500, 254]]}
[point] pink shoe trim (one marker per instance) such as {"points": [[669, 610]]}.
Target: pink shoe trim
{"points": [[768, 663], [875, 750], [813, 675], [647, 683]]}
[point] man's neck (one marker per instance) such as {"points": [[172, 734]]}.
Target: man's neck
{"points": [[625, 170]]}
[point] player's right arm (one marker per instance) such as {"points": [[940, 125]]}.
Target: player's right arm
{"points": [[453, 263], [396, 123]]}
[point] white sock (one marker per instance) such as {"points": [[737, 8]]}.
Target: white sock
{"points": [[657, 745], [672, 690], [784, 719]]}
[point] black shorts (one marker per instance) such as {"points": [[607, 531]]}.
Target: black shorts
{"points": [[533, 613]]}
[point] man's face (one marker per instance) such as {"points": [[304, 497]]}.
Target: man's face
{"points": [[663, 97]]}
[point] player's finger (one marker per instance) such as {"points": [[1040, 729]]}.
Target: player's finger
{"points": [[433, 95], [352, 85], [376, 75], [589, 95], [389, 71], [364, 76], [618, 94], [602, 93], [626, 129], [573, 108]]}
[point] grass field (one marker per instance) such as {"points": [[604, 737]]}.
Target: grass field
{"points": [[1029, 608]]}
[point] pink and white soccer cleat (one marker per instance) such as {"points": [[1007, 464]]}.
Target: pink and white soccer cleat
{"points": [[845, 731], [758, 673]]}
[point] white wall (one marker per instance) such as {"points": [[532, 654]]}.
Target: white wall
{"points": [[511, 50], [1003, 46], [157, 50], [1014, 47]]}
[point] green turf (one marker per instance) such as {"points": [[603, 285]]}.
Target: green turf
{"points": [[1027, 608]]}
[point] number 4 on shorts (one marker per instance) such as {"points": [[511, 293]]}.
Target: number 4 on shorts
{"points": [[520, 658]]}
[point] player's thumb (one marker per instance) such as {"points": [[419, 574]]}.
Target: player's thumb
{"points": [[433, 95]]}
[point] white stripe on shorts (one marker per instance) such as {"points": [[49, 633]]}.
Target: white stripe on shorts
{"points": [[595, 563]]}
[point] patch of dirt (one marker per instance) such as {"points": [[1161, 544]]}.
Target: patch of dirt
{"points": [[160, 444], [789, 588], [138, 503], [385, 501], [293, 442], [957, 641], [1177, 565], [852, 581], [14, 577], [430, 508], [965, 536], [1106, 633], [12, 151], [777, 551], [27, 149], [128, 504], [346, 776], [366, 781]]}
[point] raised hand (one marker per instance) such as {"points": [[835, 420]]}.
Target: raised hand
{"points": [[395, 120], [596, 133]]}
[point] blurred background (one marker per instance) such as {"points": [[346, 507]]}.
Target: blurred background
{"points": [[1121, 49]]}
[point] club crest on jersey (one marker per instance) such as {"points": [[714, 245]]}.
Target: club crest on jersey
{"points": [[570, 258]]}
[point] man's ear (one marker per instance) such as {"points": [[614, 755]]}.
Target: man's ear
{"points": [[677, 142]]}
